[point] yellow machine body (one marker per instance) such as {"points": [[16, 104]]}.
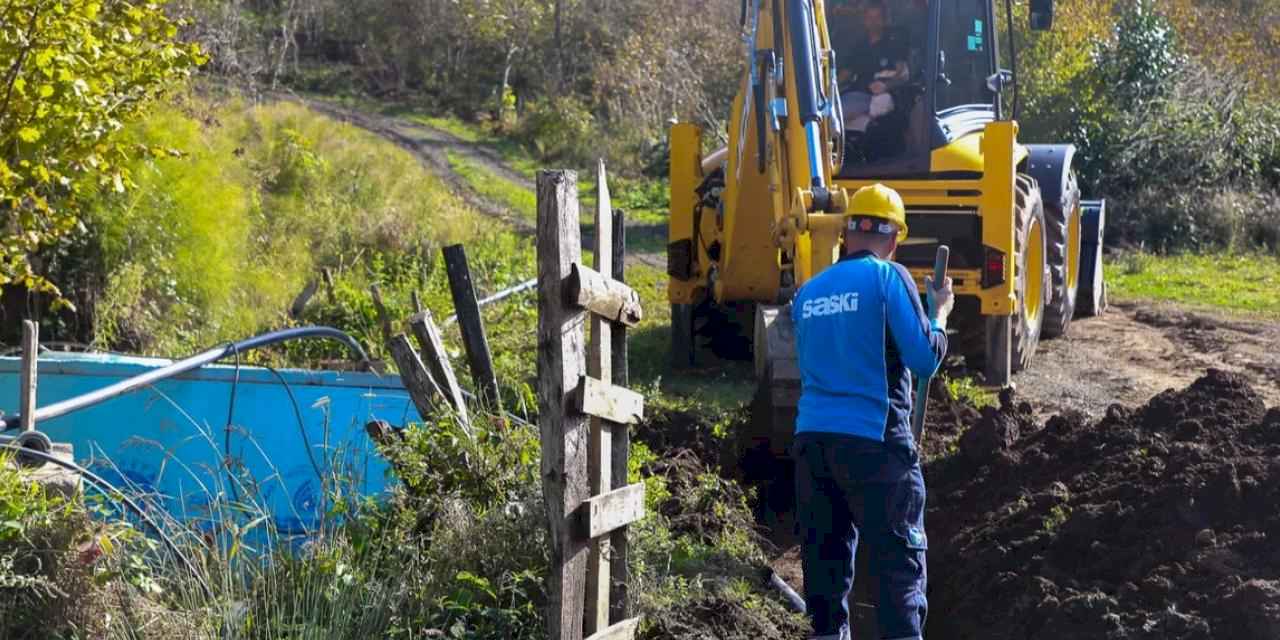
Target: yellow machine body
{"points": [[752, 222]]}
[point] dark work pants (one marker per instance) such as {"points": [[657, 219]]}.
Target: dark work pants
{"points": [[849, 488]]}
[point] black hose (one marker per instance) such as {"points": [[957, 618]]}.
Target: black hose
{"points": [[302, 425], [229, 460], [119, 497]]}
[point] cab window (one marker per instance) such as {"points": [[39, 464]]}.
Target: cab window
{"points": [[966, 57]]}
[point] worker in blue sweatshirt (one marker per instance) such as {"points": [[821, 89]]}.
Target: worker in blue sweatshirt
{"points": [[861, 332]]}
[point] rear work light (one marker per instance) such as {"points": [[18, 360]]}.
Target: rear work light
{"points": [[994, 268]]}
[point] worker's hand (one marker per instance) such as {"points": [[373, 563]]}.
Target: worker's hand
{"points": [[941, 299], [878, 87]]}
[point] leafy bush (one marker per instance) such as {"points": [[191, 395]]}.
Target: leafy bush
{"points": [[75, 72], [52, 560], [560, 128], [1183, 149]]}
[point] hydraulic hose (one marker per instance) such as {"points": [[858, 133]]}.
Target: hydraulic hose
{"points": [[77, 403], [801, 19]]}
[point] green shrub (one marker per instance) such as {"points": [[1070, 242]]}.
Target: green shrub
{"points": [[48, 560], [561, 129]]}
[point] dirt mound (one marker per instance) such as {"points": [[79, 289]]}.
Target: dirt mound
{"points": [[1159, 522], [701, 503], [670, 431], [722, 618]]}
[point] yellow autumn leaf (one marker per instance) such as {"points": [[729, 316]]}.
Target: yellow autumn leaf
{"points": [[46, 90], [29, 134]]}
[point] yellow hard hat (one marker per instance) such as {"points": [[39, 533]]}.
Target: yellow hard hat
{"points": [[877, 202]]}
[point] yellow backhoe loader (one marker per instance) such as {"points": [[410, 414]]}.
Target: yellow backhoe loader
{"points": [[751, 222]]}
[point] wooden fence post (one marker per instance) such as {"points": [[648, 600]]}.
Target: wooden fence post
{"points": [[479, 358], [600, 367], [414, 376], [30, 355], [561, 352], [588, 503], [621, 437], [437, 359]]}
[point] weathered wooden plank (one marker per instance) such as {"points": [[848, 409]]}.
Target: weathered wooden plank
{"points": [[603, 296], [30, 355], [600, 365], [470, 322], [414, 376], [384, 318], [602, 400], [618, 545], [604, 514], [621, 372], [437, 360], [326, 274], [564, 434], [625, 630]]}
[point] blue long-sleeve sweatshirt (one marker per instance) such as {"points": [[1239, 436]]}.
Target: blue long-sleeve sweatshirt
{"points": [[860, 327]]}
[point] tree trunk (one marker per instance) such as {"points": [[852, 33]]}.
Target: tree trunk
{"points": [[558, 82], [505, 84]]}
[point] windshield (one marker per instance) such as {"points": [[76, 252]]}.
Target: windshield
{"points": [[965, 56], [895, 76], [873, 37]]}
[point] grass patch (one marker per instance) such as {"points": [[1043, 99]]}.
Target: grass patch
{"points": [[515, 198], [967, 391], [1245, 283], [452, 125]]}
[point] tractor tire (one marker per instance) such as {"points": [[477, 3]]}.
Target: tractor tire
{"points": [[1063, 233], [1012, 340]]}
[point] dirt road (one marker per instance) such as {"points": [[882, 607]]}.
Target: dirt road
{"points": [[1135, 351]]}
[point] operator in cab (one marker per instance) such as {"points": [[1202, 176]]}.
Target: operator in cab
{"points": [[861, 331], [872, 61]]}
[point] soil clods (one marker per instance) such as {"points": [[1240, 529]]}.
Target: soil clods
{"points": [[1159, 522]]}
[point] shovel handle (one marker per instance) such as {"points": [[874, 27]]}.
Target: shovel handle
{"points": [[940, 265]]}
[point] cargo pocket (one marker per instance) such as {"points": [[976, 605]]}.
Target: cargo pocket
{"points": [[906, 515], [912, 537]]}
